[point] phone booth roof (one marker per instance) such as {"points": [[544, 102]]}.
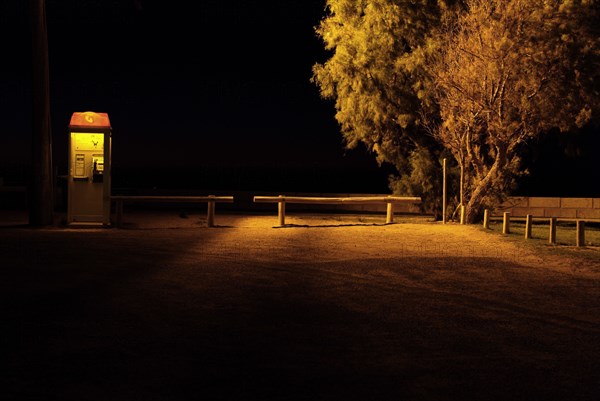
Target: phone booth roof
{"points": [[89, 120]]}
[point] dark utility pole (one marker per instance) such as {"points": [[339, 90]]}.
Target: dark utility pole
{"points": [[41, 193]]}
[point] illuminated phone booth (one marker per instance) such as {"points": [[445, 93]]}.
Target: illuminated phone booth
{"points": [[89, 169]]}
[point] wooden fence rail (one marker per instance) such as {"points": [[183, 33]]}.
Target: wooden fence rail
{"points": [[506, 218], [281, 201], [210, 200]]}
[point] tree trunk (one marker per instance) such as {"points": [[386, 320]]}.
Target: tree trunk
{"points": [[41, 194], [474, 206]]}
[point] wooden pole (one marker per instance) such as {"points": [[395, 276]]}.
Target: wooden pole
{"points": [[210, 213], [390, 213], [486, 219], [528, 222], [580, 233], [41, 190], [444, 193], [506, 223], [281, 210], [462, 214], [552, 237]]}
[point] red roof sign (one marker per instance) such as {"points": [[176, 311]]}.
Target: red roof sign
{"points": [[89, 119]]}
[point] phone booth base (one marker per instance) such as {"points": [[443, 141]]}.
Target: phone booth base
{"points": [[89, 169]]}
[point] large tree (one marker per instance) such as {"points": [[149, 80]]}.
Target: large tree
{"points": [[509, 71], [478, 79], [376, 78]]}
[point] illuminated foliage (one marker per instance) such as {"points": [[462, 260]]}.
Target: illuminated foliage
{"points": [[476, 78], [375, 75], [509, 72]]}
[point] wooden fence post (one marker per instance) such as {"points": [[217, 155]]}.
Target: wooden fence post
{"points": [[506, 223], [486, 219], [281, 210], [210, 213], [580, 233], [552, 237], [528, 222], [390, 213]]}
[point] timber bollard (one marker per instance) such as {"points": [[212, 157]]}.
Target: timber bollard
{"points": [[506, 223], [281, 210], [580, 233], [528, 222], [210, 211], [486, 219], [389, 219], [552, 237]]}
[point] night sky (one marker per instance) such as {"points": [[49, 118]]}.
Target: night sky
{"points": [[219, 89], [213, 94]]}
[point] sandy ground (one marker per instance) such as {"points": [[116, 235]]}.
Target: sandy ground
{"points": [[327, 308]]}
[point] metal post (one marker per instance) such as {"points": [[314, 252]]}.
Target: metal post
{"points": [[444, 193], [552, 237]]}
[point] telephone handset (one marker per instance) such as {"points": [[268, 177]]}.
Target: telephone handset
{"points": [[97, 167], [98, 164]]}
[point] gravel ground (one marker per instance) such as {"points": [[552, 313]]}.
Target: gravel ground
{"points": [[330, 307]]}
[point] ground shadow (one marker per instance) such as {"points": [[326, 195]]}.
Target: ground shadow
{"points": [[184, 314]]}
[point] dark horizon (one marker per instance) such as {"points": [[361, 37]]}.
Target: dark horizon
{"points": [[182, 96], [211, 92]]}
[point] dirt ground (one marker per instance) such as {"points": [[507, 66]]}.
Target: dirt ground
{"points": [[329, 307]]}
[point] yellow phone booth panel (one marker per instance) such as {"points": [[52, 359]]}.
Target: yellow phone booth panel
{"points": [[89, 169]]}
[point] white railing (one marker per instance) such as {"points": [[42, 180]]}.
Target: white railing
{"points": [[210, 200], [506, 219], [281, 201]]}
